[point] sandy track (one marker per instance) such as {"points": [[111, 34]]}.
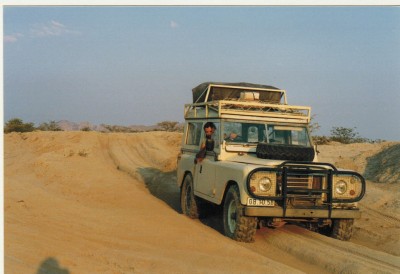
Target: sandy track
{"points": [[379, 226], [81, 202], [327, 253]]}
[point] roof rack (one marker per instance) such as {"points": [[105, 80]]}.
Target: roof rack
{"points": [[265, 104]]}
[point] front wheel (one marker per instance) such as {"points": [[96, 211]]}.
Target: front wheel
{"points": [[341, 229], [237, 226], [189, 203]]}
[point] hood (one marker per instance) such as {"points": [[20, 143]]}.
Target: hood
{"points": [[254, 160]]}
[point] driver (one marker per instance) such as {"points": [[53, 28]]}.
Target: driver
{"points": [[208, 143], [234, 137]]}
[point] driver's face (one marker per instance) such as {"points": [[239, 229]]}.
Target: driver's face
{"points": [[209, 131]]}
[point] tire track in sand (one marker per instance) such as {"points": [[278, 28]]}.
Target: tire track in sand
{"points": [[332, 255]]}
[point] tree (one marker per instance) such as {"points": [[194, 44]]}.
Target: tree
{"points": [[51, 126], [17, 125], [344, 135], [314, 126], [168, 125]]}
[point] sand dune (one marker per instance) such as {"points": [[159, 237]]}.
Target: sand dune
{"points": [[88, 202]]}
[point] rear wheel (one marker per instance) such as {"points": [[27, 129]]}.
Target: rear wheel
{"points": [[189, 203], [237, 226]]}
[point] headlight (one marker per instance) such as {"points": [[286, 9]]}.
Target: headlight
{"points": [[341, 187], [264, 184], [346, 186]]}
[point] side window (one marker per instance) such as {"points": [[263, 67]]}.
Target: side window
{"points": [[193, 133], [215, 136]]}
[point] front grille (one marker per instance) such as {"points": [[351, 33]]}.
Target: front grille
{"points": [[304, 190], [297, 182]]}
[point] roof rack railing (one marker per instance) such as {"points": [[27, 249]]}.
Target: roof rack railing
{"points": [[237, 109]]}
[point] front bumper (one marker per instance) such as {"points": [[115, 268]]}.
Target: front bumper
{"points": [[301, 213]]}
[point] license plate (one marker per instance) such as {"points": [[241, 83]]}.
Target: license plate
{"points": [[257, 202]]}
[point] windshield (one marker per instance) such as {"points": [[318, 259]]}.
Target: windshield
{"points": [[239, 132]]}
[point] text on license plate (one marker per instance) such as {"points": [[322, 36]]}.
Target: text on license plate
{"points": [[257, 202]]}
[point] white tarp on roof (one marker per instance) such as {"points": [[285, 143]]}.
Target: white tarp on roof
{"points": [[232, 93]]}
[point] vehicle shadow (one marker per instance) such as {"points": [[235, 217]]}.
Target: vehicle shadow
{"points": [[51, 266], [163, 185]]}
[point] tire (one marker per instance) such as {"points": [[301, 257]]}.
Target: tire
{"points": [[341, 229], [189, 203], [237, 226], [285, 152]]}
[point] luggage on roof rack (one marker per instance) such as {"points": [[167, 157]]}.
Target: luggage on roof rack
{"points": [[213, 91]]}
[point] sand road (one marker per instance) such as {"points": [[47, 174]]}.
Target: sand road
{"points": [[88, 202]]}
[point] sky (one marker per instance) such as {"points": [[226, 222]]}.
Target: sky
{"points": [[137, 65]]}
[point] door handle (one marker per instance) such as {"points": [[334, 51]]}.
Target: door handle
{"points": [[201, 168]]}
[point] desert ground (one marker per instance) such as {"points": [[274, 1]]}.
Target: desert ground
{"points": [[90, 202]]}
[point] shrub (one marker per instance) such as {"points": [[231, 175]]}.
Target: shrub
{"points": [[168, 125], [17, 125], [87, 128], [116, 128], [320, 140], [51, 126]]}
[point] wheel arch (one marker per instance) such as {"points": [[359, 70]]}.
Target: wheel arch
{"points": [[227, 186], [236, 224], [187, 172]]}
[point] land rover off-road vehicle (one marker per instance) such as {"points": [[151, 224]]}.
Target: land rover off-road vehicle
{"points": [[269, 174]]}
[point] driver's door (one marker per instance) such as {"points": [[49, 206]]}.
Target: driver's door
{"points": [[204, 181], [205, 171]]}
